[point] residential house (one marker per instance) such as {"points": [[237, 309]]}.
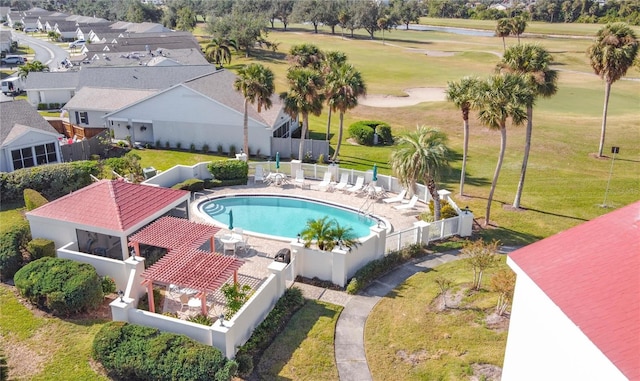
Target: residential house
{"points": [[204, 110], [158, 57], [145, 43], [66, 29], [576, 308], [6, 39], [144, 27], [3, 13], [26, 138]]}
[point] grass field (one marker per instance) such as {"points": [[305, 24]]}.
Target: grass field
{"points": [[408, 337]]}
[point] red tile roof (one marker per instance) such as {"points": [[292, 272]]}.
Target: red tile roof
{"points": [[592, 273], [171, 233], [110, 204], [193, 268]]}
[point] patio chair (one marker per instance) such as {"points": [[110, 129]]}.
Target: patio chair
{"points": [[357, 187], [184, 301], [397, 198], [259, 176], [344, 181], [326, 182], [410, 205], [243, 243], [299, 180]]}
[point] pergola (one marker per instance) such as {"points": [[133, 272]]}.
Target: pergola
{"points": [[184, 265], [189, 267]]}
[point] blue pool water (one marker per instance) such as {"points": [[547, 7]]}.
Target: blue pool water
{"points": [[281, 216]]}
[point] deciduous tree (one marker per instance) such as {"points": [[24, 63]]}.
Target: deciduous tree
{"points": [[479, 256]]}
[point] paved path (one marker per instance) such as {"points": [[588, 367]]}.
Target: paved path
{"points": [[349, 337]]}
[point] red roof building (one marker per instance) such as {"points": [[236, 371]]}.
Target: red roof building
{"points": [[576, 308]]}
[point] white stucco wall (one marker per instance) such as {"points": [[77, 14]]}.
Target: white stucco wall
{"points": [[61, 96], [95, 118], [181, 115], [29, 139], [544, 344]]}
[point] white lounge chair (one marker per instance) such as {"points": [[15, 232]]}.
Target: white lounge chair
{"points": [[410, 205], [259, 176], [344, 181], [397, 198], [326, 182], [299, 180], [357, 187]]}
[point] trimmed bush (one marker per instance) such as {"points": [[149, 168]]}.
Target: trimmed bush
{"points": [[108, 285], [61, 286], [265, 332], [12, 243], [132, 352], [383, 131], [374, 269], [362, 133], [192, 185], [33, 199], [52, 181], [212, 183], [230, 172], [40, 248]]}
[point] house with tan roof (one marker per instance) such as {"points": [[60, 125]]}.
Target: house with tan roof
{"points": [[576, 307], [204, 110], [26, 138]]}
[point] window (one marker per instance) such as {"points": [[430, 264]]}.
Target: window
{"points": [[84, 118], [32, 156]]}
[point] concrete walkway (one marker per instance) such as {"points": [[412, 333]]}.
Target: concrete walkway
{"points": [[349, 337]]}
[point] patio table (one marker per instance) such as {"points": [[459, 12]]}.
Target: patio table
{"points": [[230, 241]]}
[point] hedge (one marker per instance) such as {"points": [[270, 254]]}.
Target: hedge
{"points": [[61, 286], [192, 185], [132, 352], [235, 170], [12, 242], [40, 248], [52, 180], [265, 332], [363, 132], [374, 269], [33, 199]]}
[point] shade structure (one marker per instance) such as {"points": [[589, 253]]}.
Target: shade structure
{"points": [[230, 219], [277, 160], [375, 172]]}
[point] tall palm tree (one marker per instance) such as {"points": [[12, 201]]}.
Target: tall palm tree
{"points": [[421, 156], [218, 51], [331, 59], [611, 55], [344, 86], [255, 82], [518, 24], [305, 96], [503, 29], [501, 97], [306, 55], [532, 62], [462, 93], [24, 70]]}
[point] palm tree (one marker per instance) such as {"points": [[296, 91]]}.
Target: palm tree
{"points": [[462, 93], [327, 234], [218, 51], [305, 96], [501, 97], [256, 84], [503, 29], [344, 86], [532, 62], [306, 55], [24, 70], [331, 60], [421, 156], [518, 24], [611, 55]]}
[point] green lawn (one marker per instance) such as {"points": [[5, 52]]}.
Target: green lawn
{"points": [[304, 351], [408, 338]]}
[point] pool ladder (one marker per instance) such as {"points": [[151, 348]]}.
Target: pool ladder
{"points": [[366, 205]]}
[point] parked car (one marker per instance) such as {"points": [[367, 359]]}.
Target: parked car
{"points": [[30, 30], [77, 44], [13, 60]]}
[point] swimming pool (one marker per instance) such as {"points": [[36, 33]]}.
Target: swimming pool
{"points": [[280, 216]]}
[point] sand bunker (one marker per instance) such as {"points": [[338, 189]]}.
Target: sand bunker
{"points": [[414, 96]]}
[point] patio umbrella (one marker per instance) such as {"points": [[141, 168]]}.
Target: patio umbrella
{"points": [[375, 172], [230, 219], [277, 160]]}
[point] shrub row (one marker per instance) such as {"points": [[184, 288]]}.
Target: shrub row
{"points": [[229, 170], [374, 269], [52, 181], [270, 327], [49, 106], [132, 352], [12, 242], [61, 286], [363, 132], [192, 185], [33, 199]]}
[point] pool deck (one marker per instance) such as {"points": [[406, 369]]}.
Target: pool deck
{"points": [[262, 250]]}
